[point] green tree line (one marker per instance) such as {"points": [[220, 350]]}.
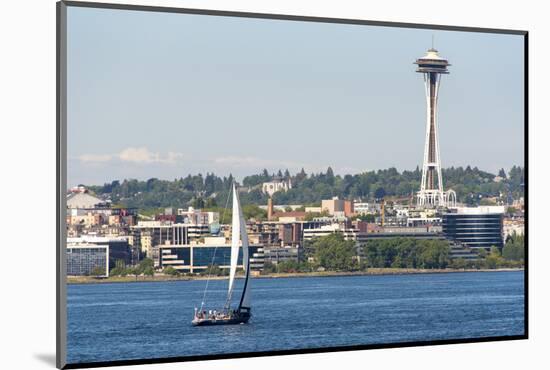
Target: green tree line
{"points": [[407, 253], [471, 185]]}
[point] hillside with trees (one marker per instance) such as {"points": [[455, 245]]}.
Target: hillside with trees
{"points": [[472, 185]]}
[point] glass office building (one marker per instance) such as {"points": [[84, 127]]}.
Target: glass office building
{"points": [[195, 258], [83, 259], [476, 227], [84, 254]]}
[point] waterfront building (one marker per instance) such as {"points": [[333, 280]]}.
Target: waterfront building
{"points": [[84, 258], [148, 235], [276, 254], [458, 251], [197, 257], [86, 253], [475, 227]]}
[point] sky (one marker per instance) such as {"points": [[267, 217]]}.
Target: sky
{"points": [[166, 95]]}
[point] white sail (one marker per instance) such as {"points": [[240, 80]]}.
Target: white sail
{"points": [[245, 300], [235, 236]]}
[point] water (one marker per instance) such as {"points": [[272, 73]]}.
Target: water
{"points": [[124, 321]]}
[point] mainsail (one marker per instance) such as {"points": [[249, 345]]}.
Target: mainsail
{"points": [[238, 236], [245, 299], [235, 237]]}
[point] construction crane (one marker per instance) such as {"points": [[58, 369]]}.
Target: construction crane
{"points": [[382, 211]]}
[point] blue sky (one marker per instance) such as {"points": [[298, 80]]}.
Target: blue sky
{"points": [[164, 95]]}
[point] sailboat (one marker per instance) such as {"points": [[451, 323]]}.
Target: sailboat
{"points": [[228, 315]]}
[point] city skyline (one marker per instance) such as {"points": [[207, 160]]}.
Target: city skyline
{"points": [[158, 95]]}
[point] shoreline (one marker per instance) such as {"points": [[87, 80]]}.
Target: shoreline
{"points": [[77, 280]]}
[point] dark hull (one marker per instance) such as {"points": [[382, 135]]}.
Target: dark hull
{"points": [[240, 319]]}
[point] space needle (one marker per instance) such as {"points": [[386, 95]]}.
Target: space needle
{"points": [[431, 193]]}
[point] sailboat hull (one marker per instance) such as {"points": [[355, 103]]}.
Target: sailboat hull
{"points": [[241, 318]]}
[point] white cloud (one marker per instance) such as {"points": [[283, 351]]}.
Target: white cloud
{"points": [[139, 155], [95, 158]]}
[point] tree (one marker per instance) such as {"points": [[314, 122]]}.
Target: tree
{"points": [[502, 173], [494, 259], [407, 253], [367, 218], [482, 253], [458, 263], [214, 270], [98, 271], [119, 269], [333, 252], [379, 193], [330, 176], [135, 270], [269, 268], [514, 249], [253, 211], [469, 184], [147, 266], [169, 270], [198, 203]]}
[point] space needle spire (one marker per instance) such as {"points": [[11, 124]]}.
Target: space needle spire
{"points": [[431, 193]]}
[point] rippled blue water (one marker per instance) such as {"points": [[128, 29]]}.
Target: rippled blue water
{"points": [[109, 322]]}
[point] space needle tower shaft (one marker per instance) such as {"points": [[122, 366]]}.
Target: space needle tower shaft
{"points": [[431, 193]]}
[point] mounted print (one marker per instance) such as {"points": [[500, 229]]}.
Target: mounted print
{"points": [[235, 184]]}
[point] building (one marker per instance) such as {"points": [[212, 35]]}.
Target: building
{"points": [[82, 199], [349, 208], [475, 227], [323, 230], [276, 185], [149, 235], [197, 257], [197, 217], [332, 206], [84, 254], [84, 258], [291, 216], [101, 220], [431, 193], [513, 225], [276, 254], [276, 233], [363, 208], [338, 207]]}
